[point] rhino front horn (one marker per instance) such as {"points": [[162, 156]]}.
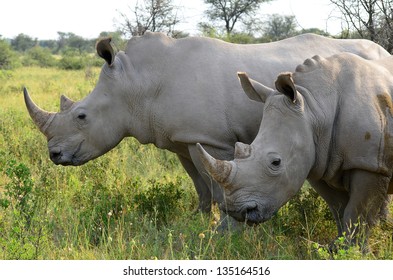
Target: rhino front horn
{"points": [[222, 171], [41, 118]]}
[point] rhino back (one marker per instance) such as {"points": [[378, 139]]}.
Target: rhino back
{"points": [[354, 121], [386, 62], [198, 96]]}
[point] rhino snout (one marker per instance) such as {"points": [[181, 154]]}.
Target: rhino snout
{"points": [[253, 216], [59, 157], [259, 214], [55, 155], [248, 213]]}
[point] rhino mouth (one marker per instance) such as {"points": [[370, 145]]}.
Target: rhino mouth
{"points": [[252, 214], [75, 160], [59, 157], [255, 217]]}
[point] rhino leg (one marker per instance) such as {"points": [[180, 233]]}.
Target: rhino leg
{"points": [[336, 200], [215, 190], [203, 191], [368, 193], [384, 214], [217, 194]]}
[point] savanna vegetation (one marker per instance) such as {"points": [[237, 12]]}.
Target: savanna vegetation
{"points": [[135, 202]]}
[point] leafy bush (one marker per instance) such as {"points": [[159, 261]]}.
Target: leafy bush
{"points": [[72, 59], [98, 208], [72, 62], [39, 56], [307, 219], [159, 201], [78, 62], [26, 212], [8, 58]]}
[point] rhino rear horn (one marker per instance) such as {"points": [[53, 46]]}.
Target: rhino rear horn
{"points": [[242, 150], [41, 118], [65, 103], [105, 50], [220, 170]]}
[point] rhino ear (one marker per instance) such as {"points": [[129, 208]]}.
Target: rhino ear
{"points": [[286, 86], [105, 50], [254, 90]]}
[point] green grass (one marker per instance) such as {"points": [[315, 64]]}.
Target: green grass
{"points": [[135, 202]]}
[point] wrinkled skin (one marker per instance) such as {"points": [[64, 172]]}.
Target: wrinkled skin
{"points": [[331, 123], [174, 94]]}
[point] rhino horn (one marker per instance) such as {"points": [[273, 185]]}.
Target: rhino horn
{"points": [[65, 103], [242, 150], [41, 118], [220, 170]]}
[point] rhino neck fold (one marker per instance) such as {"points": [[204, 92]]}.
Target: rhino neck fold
{"points": [[146, 118], [323, 128]]}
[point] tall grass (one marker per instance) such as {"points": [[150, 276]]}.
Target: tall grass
{"points": [[135, 202]]}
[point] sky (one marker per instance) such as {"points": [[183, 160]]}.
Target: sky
{"points": [[42, 19]]}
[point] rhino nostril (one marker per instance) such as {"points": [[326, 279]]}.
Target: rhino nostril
{"points": [[251, 209], [252, 213], [55, 155]]}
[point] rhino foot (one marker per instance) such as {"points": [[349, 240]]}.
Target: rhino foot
{"points": [[386, 223], [384, 215]]}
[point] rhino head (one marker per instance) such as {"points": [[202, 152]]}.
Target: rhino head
{"points": [[264, 175], [84, 130]]}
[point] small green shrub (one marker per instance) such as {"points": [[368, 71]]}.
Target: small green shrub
{"points": [[159, 201], [18, 191], [71, 63], [97, 208], [8, 58], [307, 214], [72, 60], [39, 56], [26, 212]]}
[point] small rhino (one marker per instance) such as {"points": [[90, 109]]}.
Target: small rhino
{"points": [[330, 122]]}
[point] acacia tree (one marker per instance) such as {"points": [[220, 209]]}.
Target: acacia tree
{"points": [[153, 15], [280, 27], [23, 42], [232, 11], [370, 19]]}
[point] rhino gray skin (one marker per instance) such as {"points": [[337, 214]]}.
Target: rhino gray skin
{"points": [[175, 93], [329, 122]]}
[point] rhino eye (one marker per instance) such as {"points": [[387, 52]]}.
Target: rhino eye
{"points": [[276, 162], [82, 116]]}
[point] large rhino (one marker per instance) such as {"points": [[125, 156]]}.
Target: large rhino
{"points": [[330, 122], [175, 93]]}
